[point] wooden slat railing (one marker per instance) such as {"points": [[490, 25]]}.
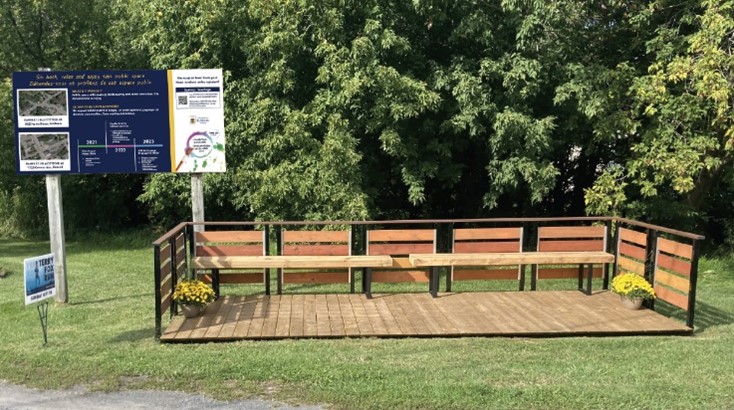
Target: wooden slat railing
{"points": [[665, 256]]}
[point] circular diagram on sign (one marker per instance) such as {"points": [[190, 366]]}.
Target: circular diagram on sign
{"points": [[199, 144]]}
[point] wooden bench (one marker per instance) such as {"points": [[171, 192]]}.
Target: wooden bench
{"points": [[584, 239], [309, 257], [215, 250], [484, 241], [335, 245], [397, 244], [551, 251], [501, 259]]}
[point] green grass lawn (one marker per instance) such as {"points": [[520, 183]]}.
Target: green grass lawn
{"points": [[104, 339]]}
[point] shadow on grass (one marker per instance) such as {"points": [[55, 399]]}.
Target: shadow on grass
{"points": [[705, 316], [134, 335]]}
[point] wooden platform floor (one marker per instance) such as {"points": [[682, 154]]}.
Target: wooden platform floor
{"points": [[525, 314]]}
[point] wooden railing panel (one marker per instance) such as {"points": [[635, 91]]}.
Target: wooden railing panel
{"points": [[316, 250], [672, 297], [673, 272], [401, 235], [230, 250], [566, 273], [166, 284], [631, 265], [241, 277], [675, 265], [400, 248], [628, 235], [554, 232], [400, 276], [675, 248], [571, 245], [464, 234], [316, 236], [316, 277], [229, 236], [487, 247], [672, 281], [485, 274], [633, 251]]}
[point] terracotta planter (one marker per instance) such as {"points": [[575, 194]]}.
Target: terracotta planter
{"points": [[190, 311], [631, 303]]}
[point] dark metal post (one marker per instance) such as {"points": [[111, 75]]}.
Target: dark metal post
{"points": [[190, 234], [651, 261], [692, 289], [589, 278], [172, 246], [606, 269], [368, 282], [363, 236], [188, 249], [533, 268], [449, 249], [581, 277], [43, 316], [279, 245], [521, 278], [433, 270], [617, 240], [266, 271], [352, 248], [157, 279]]}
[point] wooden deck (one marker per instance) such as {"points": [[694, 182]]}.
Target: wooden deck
{"points": [[523, 314]]}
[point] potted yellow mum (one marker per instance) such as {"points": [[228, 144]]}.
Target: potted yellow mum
{"points": [[633, 289], [193, 295]]}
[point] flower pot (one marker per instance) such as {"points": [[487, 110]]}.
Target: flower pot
{"points": [[631, 303], [190, 311]]}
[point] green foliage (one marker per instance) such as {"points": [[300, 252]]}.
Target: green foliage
{"points": [[607, 196], [678, 138]]}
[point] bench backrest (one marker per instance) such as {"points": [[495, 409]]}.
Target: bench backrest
{"points": [[570, 239], [399, 243], [673, 268], [486, 240], [631, 251], [233, 243], [230, 243], [315, 243]]}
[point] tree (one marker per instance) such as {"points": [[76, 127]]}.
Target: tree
{"points": [[681, 132], [51, 34]]}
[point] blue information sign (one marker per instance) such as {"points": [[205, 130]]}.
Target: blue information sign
{"points": [[119, 121], [39, 278]]}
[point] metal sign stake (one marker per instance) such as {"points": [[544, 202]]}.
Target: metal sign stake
{"points": [[43, 315]]}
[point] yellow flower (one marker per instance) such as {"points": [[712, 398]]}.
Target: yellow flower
{"points": [[193, 292], [632, 285]]}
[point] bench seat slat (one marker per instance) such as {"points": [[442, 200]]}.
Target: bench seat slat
{"points": [[299, 261], [524, 258]]}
